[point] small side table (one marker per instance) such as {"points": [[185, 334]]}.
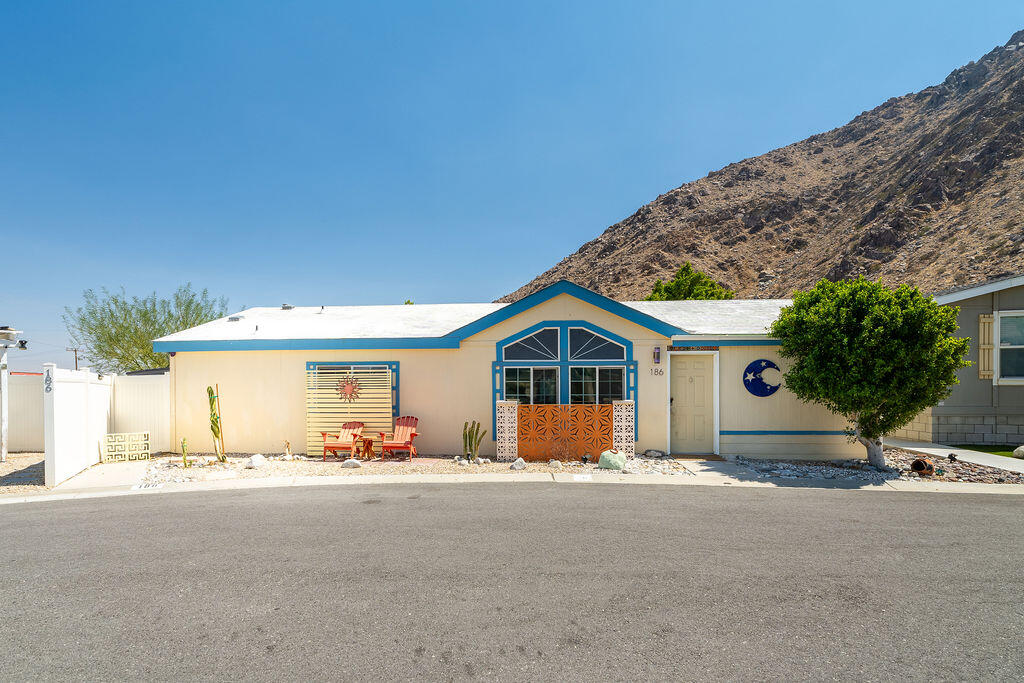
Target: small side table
{"points": [[366, 451]]}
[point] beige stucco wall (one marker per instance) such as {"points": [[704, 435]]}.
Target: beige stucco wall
{"points": [[263, 392], [782, 411]]}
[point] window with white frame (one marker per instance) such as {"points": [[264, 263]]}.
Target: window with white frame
{"points": [[531, 385], [595, 385], [542, 345], [1011, 345]]}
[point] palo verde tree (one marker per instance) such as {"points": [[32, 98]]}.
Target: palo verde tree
{"points": [[117, 331], [689, 283], [876, 355]]}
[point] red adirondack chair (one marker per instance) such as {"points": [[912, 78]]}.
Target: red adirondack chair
{"points": [[344, 440], [401, 439]]}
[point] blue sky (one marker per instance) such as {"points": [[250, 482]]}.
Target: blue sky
{"points": [[330, 153]]}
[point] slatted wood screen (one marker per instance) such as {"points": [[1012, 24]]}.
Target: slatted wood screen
{"points": [[326, 411], [986, 347]]}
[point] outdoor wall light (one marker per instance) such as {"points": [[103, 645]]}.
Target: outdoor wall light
{"points": [[657, 355]]}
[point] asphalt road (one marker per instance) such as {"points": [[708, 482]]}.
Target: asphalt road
{"points": [[514, 581]]}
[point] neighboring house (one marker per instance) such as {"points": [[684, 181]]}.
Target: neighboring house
{"points": [[703, 375], [987, 406]]}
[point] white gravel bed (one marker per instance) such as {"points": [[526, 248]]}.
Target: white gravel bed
{"points": [[170, 469]]}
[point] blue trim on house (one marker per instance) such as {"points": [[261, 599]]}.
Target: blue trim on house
{"points": [[447, 341], [583, 294], [563, 365], [726, 342], [393, 365], [780, 432]]}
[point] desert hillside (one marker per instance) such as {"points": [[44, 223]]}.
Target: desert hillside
{"points": [[927, 188]]}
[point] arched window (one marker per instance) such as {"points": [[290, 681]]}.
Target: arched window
{"points": [[586, 345], [542, 345]]}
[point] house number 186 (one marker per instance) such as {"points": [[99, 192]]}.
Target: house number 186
{"points": [[657, 371]]}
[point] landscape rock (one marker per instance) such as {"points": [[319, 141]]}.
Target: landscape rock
{"points": [[1018, 452], [519, 464], [351, 463], [555, 464], [654, 453], [256, 460], [612, 460], [462, 462]]}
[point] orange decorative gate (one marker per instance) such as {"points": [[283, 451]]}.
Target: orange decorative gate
{"points": [[564, 432]]}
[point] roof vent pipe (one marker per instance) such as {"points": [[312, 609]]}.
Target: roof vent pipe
{"points": [[286, 307]]}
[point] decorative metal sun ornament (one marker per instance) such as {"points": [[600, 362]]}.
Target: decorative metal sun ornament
{"points": [[348, 388]]}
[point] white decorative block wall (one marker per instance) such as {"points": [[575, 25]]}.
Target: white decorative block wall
{"points": [[624, 427], [506, 432]]}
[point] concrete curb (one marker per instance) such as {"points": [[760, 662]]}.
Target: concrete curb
{"points": [[702, 479]]}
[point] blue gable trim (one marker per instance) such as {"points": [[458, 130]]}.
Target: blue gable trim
{"points": [[448, 341], [583, 294]]}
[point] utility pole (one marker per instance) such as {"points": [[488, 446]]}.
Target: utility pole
{"points": [[7, 340], [75, 349]]}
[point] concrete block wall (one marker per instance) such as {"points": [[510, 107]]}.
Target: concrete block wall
{"points": [[920, 429], [979, 429]]}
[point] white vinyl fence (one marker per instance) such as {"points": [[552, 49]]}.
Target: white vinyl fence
{"points": [[76, 413], [142, 403], [25, 415], [78, 408]]}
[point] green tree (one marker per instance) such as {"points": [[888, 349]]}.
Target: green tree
{"points": [[689, 283], [117, 331], [878, 356]]}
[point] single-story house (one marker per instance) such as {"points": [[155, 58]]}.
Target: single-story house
{"points": [[702, 377], [987, 406]]}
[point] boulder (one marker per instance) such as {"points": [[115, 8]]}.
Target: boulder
{"points": [[351, 463], [556, 464], [462, 462], [654, 453], [256, 460], [519, 464], [1018, 452], [612, 460]]}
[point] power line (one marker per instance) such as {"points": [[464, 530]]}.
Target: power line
{"points": [[75, 350]]}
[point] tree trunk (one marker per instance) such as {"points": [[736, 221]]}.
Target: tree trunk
{"points": [[876, 457]]}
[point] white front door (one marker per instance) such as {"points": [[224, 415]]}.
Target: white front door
{"points": [[692, 404]]}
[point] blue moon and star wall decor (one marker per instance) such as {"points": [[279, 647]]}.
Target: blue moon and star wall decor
{"points": [[754, 381]]}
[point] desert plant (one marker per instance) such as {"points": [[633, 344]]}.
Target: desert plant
{"points": [[472, 435], [184, 453], [875, 355], [215, 425]]}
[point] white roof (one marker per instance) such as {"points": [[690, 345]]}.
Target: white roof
{"points": [[731, 317], [338, 322], [725, 317]]}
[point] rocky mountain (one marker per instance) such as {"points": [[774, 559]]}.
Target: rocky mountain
{"points": [[927, 188]]}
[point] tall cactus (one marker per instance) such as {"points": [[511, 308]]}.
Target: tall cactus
{"points": [[472, 435], [215, 425]]}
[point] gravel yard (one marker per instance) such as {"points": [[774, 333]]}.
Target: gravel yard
{"points": [[22, 473], [169, 469], [897, 459]]}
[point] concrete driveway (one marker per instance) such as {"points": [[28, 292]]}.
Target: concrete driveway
{"points": [[516, 581]]}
